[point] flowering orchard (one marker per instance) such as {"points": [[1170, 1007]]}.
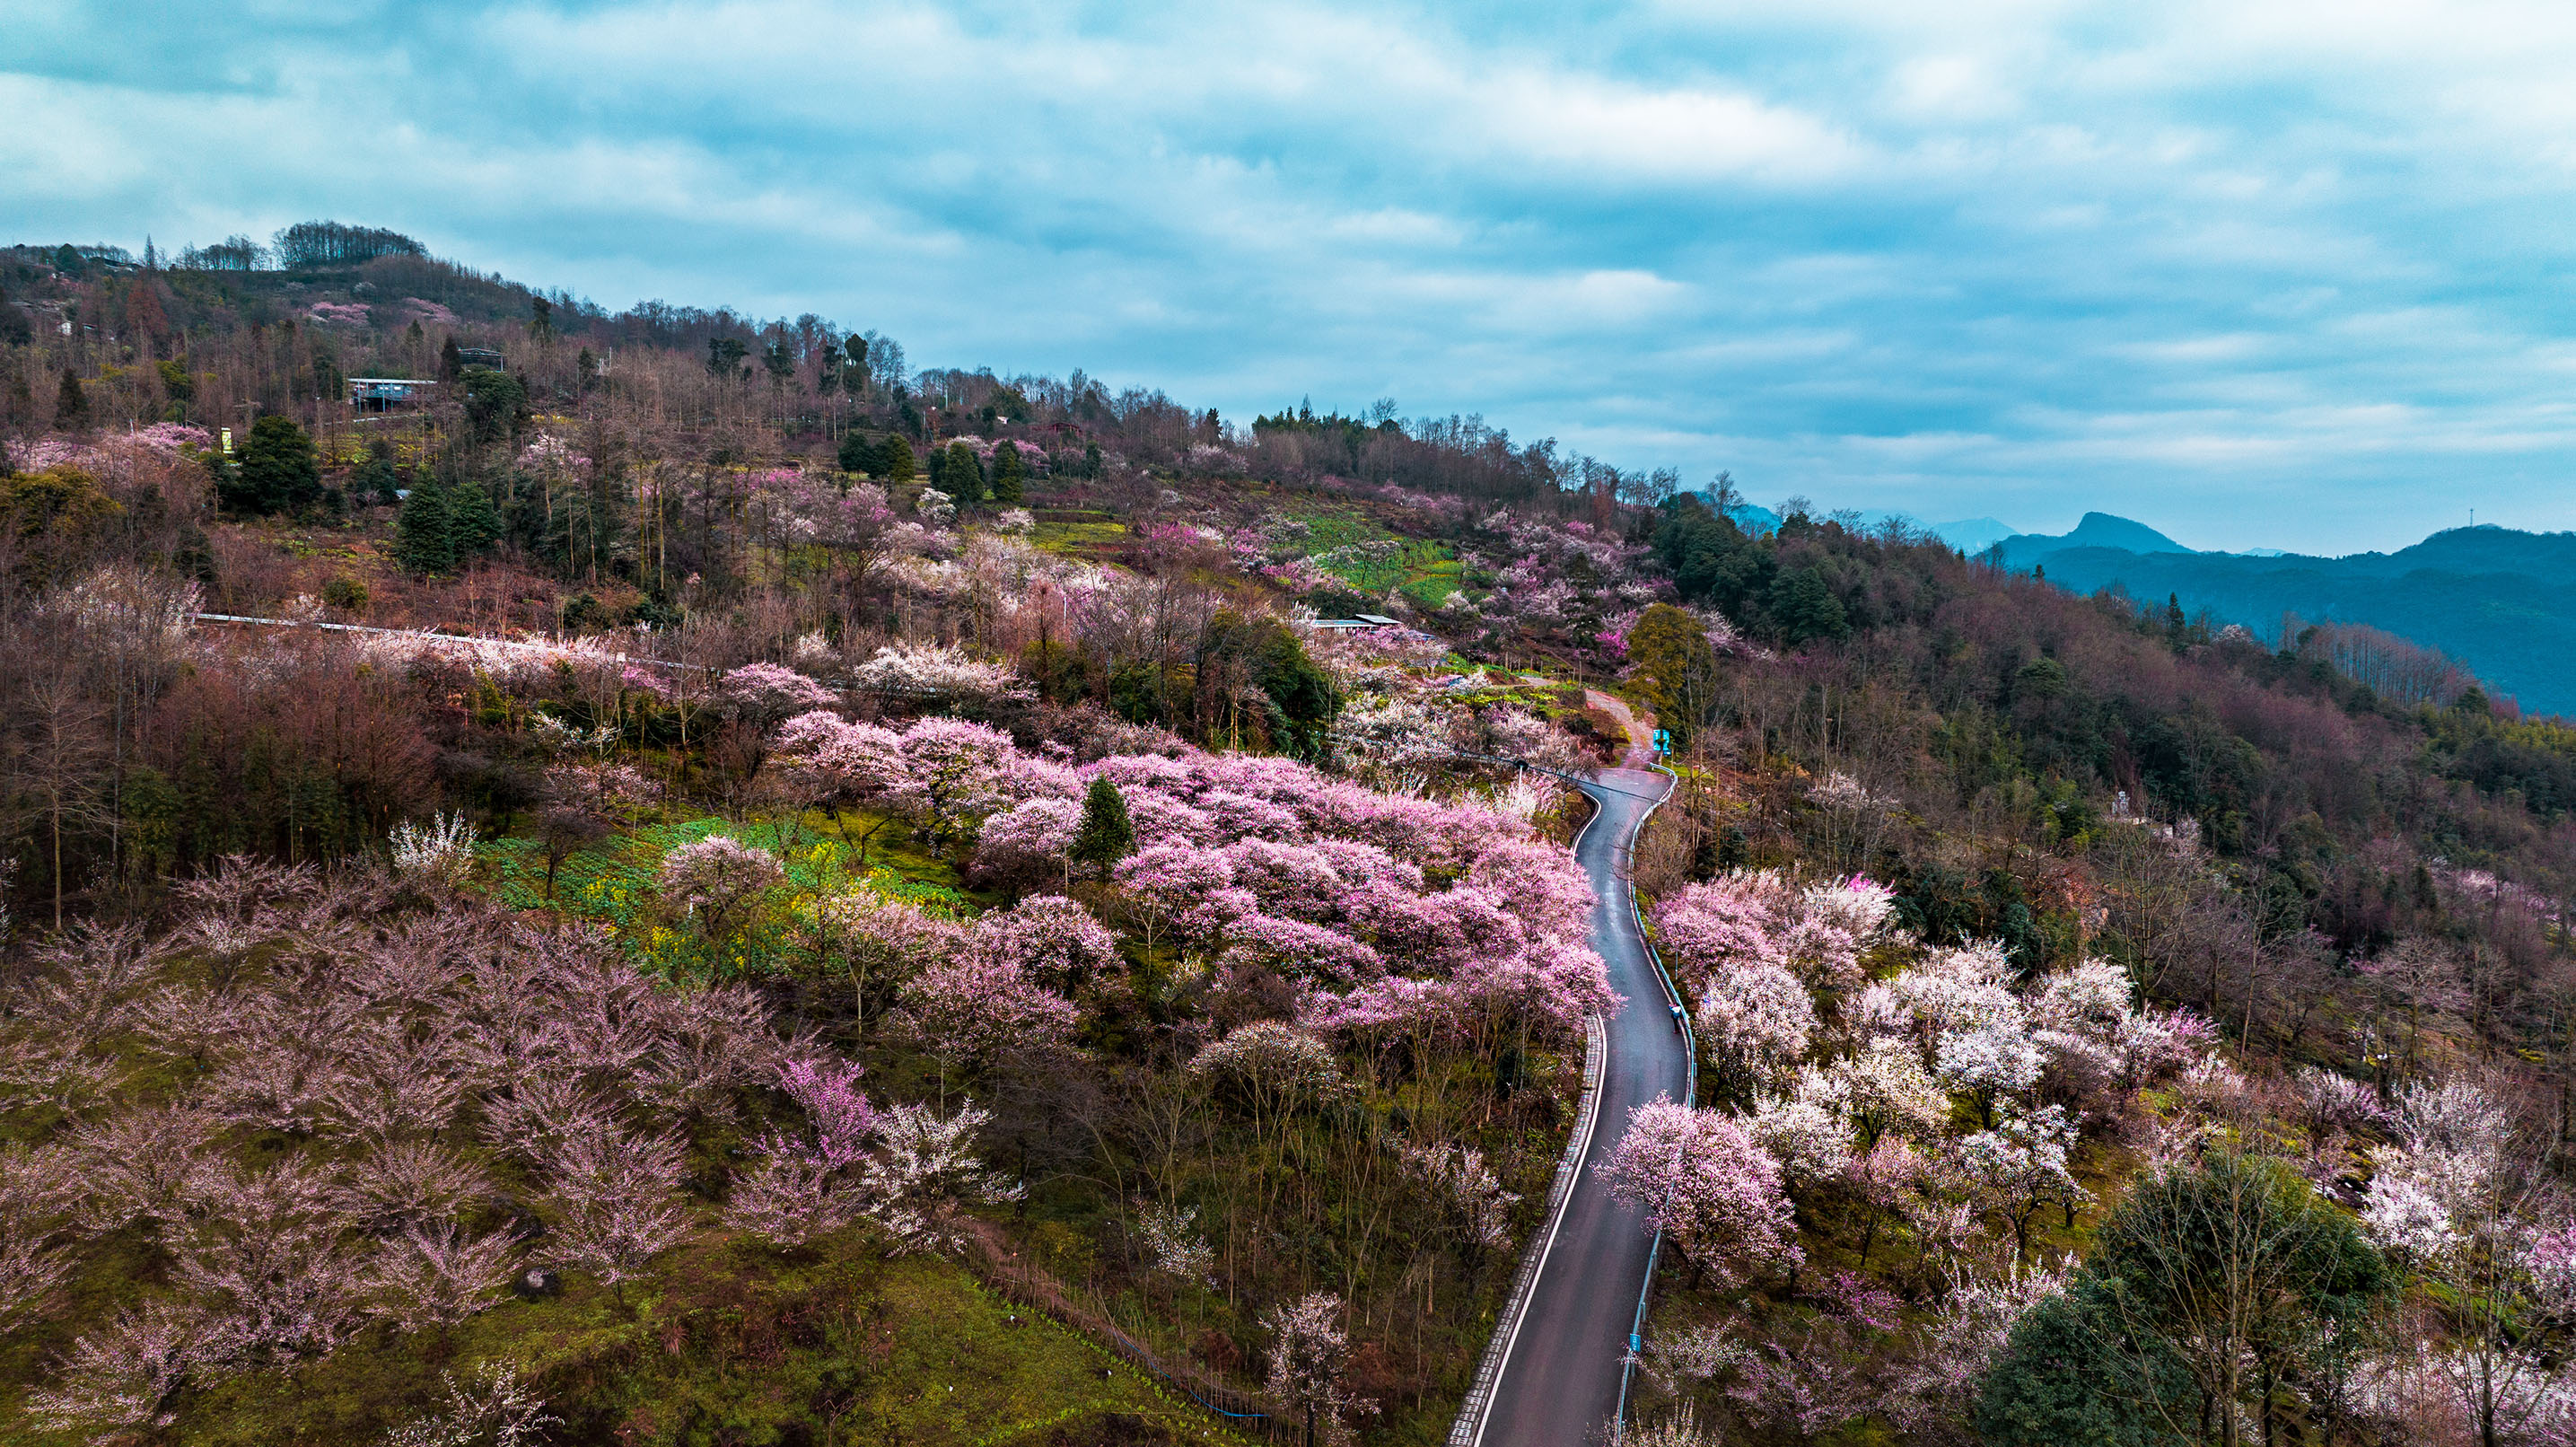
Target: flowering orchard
{"points": [[331, 1101], [1877, 1108], [1284, 1031], [1873, 1101]]}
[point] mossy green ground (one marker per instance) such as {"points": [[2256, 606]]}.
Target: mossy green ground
{"points": [[1084, 533], [612, 884], [725, 1344], [1423, 571]]}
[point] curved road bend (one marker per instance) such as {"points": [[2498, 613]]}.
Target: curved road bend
{"points": [[1559, 1382]]}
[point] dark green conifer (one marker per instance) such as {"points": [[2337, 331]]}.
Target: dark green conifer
{"points": [[278, 472], [473, 523], [856, 455], [1010, 475], [895, 460], [71, 404], [421, 533], [963, 476], [1106, 835]]}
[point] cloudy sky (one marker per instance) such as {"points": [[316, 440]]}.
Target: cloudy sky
{"points": [[2259, 274]]}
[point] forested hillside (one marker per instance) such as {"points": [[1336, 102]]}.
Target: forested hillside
{"points": [[2500, 602], [849, 903]]}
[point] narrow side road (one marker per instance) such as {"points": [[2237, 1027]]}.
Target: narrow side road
{"points": [[1559, 1381]]}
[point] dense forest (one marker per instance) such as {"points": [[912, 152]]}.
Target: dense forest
{"points": [[805, 900]]}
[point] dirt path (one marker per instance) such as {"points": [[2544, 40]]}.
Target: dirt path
{"points": [[1641, 736]]}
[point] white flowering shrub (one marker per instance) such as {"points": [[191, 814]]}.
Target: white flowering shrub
{"points": [[439, 853]]}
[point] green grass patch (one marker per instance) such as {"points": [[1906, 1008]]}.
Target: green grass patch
{"points": [[613, 885], [1080, 539]]}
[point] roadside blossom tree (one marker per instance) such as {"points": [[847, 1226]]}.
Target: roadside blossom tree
{"points": [[1701, 1178]]}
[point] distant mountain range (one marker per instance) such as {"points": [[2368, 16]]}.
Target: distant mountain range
{"points": [[2097, 530], [2502, 602]]}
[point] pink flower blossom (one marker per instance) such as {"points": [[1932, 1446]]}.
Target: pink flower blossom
{"points": [[1705, 1183], [976, 1011], [765, 692], [1054, 939]]}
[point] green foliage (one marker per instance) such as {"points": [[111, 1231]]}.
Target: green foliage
{"points": [[176, 382], [1298, 697], [278, 471], [2219, 1281], [1712, 559], [71, 404], [837, 1346], [15, 329], [346, 593], [1105, 835], [894, 460], [496, 404], [1675, 668], [1142, 693], [473, 524], [1945, 908], [52, 517], [855, 454], [1010, 475], [960, 474], [1060, 672], [421, 538], [1804, 608], [375, 479], [614, 885], [2535, 758], [2069, 1378]]}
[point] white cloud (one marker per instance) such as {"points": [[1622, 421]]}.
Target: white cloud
{"points": [[2256, 257]]}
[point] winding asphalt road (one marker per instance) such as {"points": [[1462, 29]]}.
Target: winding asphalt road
{"points": [[1559, 1382]]}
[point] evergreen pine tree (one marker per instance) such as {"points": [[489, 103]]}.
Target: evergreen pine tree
{"points": [[473, 523], [451, 362], [1010, 475], [420, 534], [71, 404], [894, 460], [1106, 835], [1091, 459], [279, 472], [856, 455], [375, 480], [964, 478]]}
